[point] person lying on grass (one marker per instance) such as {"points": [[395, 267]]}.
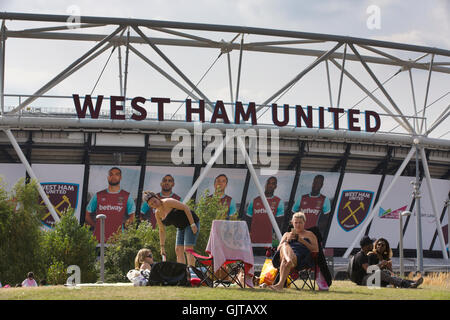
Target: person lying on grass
{"points": [[143, 260]]}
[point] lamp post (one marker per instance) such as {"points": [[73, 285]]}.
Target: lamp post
{"points": [[403, 214], [102, 218], [447, 204]]}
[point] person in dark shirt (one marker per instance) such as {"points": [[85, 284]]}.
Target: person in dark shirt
{"points": [[361, 263], [169, 212]]}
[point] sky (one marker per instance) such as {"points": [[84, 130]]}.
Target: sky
{"points": [[32, 63]]}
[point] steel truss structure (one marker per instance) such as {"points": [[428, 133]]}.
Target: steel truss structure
{"points": [[416, 132]]}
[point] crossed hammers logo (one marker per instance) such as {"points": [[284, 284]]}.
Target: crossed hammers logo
{"points": [[65, 199], [352, 212]]}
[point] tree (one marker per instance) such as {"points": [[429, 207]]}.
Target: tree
{"points": [[20, 233], [69, 244]]}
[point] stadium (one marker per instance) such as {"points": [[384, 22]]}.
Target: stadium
{"points": [[380, 151]]}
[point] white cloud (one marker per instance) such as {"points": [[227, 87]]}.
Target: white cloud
{"points": [[417, 37]]}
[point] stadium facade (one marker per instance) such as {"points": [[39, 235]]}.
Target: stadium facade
{"points": [[367, 174]]}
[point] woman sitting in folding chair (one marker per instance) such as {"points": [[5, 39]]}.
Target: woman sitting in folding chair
{"points": [[295, 249]]}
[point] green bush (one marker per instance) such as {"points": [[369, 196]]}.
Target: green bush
{"points": [[69, 244], [208, 209], [57, 273], [20, 233], [123, 247]]}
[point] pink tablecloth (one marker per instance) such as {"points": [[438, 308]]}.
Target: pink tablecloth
{"points": [[230, 240]]}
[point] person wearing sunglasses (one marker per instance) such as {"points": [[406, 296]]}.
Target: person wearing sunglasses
{"points": [[381, 255], [144, 260], [362, 262]]}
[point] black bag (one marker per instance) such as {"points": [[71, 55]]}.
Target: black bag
{"points": [[321, 261], [169, 273]]}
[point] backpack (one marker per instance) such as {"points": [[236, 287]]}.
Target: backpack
{"points": [[350, 268], [168, 273]]}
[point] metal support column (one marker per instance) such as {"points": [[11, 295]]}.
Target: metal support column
{"points": [[417, 196], [2, 67], [241, 146], [24, 161], [341, 77], [239, 68], [433, 203], [143, 163], [87, 167], [426, 93]]}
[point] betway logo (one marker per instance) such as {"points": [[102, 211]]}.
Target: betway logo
{"points": [[311, 211], [257, 211], [109, 207]]}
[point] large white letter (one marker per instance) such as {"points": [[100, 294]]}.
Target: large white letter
{"points": [[272, 160], [216, 136], [374, 280], [252, 145], [374, 20], [181, 152], [198, 143]]}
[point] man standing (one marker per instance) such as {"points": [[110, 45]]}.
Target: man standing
{"points": [[261, 229], [167, 184], [115, 203], [314, 205], [220, 184]]}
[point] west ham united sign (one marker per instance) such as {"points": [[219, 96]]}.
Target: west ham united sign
{"points": [[353, 208], [62, 196]]}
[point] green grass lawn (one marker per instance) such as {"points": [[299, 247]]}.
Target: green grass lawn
{"points": [[340, 290]]}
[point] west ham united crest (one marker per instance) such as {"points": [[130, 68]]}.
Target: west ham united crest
{"points": [[61, 195], [353, 208]]}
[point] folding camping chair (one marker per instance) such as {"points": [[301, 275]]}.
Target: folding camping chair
{"points": [[204, 269], [307, 276]]}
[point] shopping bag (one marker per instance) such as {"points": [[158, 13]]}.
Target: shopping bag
{"points": [[321, 282], [268, 273]]}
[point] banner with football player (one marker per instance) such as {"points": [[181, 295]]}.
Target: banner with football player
{"points": [[314, 196], [112, 191], [63, 184], [441, 190], [355, 200], [167, 182], [277, 191], [228, 184]]}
